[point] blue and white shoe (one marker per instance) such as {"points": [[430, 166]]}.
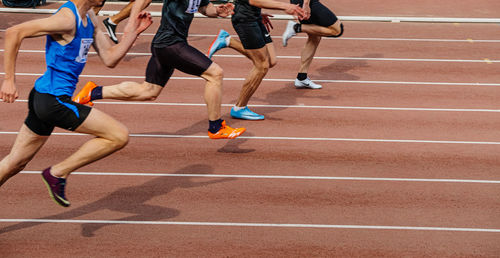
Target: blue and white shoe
{"points": [[219, 42], [246, 114]]}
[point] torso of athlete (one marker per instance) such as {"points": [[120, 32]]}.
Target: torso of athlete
{"points": [[177, 16], [66, 62], [245, 12]]}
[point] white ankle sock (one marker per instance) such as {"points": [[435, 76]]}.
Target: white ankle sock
{"points": [[238, 108]]}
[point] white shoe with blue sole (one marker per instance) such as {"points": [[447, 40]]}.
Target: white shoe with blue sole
{"points": [[218, 43], [246, 114]]}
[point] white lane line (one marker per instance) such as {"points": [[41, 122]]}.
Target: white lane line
{"points": [[240, 224], [489, 61], [295, 106], [290, 17], [286, 138], [284, 80], [429, 180], [357, 38]]}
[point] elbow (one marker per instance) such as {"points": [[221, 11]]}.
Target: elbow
{"points": [[12, 32], [111, 64]]}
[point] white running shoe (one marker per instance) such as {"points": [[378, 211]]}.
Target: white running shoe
{"points": [[307, 83], [289, 33]]}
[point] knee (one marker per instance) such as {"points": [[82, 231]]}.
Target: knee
{"points": [[216, 72], [272, 63], [336, 30], [120, 138], [149, 91], [263, 67]]}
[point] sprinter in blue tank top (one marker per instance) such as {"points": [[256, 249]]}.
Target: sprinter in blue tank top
{"points": [[70, 33]]}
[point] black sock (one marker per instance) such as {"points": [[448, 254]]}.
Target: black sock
{"points": [[96, 93], [214, 126], [302, 76], [297, 27]]}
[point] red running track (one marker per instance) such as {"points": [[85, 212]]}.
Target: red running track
{"points": [[395, 156]]}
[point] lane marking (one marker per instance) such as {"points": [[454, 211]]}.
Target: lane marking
{"points": [[290, 17], [294, 106], [244, 224], [355, 38], [287, 138], [333, 178], [283, 80], [322, 58]]}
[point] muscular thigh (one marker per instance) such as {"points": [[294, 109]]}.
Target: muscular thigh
{"points": [[183, 57]]}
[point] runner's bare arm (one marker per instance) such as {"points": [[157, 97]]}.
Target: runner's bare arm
{"points": [[222, 10], [138, 6], [291, 9], [112, 54], [60, 25]]}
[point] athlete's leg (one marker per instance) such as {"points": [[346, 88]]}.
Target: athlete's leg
{"points": [[308, 52], [271, 52], [123, 14], [213, 90], [25, 147], [111, 136], [132, 91], [260, 59], [332, 30]]}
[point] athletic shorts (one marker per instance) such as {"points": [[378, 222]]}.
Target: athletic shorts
{"points": [[320, 14], [253, 35], [180, 56], [47, 111]]}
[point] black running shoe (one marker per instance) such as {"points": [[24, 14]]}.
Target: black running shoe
{"points": [[111, 30], [55, 185]]}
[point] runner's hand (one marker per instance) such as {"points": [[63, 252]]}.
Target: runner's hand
{"points": [[143, 21], [224, 10], [8, 92], [267, 21], [307, 11], [296, 11]]}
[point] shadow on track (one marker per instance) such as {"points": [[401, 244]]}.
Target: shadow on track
{"points": [[132, 200]]}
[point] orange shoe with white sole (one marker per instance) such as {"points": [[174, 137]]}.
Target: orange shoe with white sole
{"points": [[83, 97], [226, 132]]}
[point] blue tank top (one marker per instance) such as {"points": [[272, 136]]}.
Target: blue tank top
{"points": [[65, 63]]}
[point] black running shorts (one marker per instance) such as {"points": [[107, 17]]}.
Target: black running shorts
{"points": [[47, 111], [180, 56], [320, 14], [253, 35]]}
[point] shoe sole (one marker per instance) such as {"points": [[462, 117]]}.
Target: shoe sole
{"points": [[249, 118], [62, 203]]}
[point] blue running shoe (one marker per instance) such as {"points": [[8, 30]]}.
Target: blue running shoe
{"points": [[246, 114], [218, 43]]}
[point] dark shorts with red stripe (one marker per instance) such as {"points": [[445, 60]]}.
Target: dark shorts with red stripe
{"points": [[47, 111], [180, 56]]}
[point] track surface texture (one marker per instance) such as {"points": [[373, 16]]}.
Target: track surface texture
{"points": [[396, 156]]}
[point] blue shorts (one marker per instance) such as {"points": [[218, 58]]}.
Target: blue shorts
{"points": [[47, 111]]}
